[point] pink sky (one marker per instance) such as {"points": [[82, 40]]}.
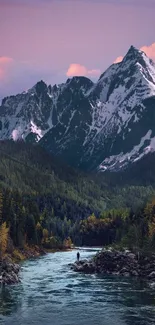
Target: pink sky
{"points": [[53, 39]]}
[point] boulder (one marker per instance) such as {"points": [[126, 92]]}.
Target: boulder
{"points": [[118, 263], [9, 271], [131, 256], [83, 266], [126, 274], [134, 273], [151, 276]]}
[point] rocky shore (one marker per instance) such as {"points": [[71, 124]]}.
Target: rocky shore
{"points": [[118, 263], [9, 271]]}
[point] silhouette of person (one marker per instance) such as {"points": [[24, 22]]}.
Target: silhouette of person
{"points": [[78, 256]]}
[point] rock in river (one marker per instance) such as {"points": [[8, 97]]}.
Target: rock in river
{"points": [[9, 271], [123, 263]]}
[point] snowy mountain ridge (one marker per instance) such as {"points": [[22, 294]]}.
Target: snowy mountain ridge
{"points": [[107, 124]]}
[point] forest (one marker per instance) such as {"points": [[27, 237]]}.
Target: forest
{"points": [[46, 203]]}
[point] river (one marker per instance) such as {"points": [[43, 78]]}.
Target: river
{"points": [[52, 294]]}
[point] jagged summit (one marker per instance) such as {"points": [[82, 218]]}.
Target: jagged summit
{"points": [[133, 52], [40, 86], [109, 124], [134, 56], [80, 81], [41, 83], [77, 79]]}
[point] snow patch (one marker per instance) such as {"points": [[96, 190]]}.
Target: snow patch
{"points": [[122, 159], [17, 134], [35, 129]]}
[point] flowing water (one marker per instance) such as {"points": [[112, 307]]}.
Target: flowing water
{"points": [[51, 293]]}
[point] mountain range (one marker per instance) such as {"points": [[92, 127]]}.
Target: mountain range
{"points": [[109, 124]]}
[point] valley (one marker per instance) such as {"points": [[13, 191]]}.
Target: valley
{"points": [[77, 162], [45, 202], [77, 168]]}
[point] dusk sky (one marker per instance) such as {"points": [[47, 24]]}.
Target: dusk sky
{"points": [[56, 39]]}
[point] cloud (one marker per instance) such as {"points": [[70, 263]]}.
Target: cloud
{"points": [[76, 69], [5, 60], [148, 50], [5, 63], [119, 59]]}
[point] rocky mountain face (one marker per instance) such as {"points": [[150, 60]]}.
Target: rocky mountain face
{"points": [[108, 124]]}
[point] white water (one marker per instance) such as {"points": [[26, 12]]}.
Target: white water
{"points": [[52, 294]]}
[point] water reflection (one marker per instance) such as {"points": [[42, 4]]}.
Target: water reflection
{"points": [[10, 299]]}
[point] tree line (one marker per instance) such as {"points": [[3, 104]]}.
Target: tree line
{"points": [[23, 223], [123, 227], [44, 202]]}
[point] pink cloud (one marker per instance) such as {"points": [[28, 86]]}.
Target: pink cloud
{"points": [[5, 60], [4, 66], [76, 69], [148, 50], [119, 59]]}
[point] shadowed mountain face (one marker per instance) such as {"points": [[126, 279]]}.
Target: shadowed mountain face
{"points": [[109, 124]]}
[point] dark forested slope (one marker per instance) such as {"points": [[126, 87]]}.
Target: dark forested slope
{"points": [[44, 201], [32, 170]]}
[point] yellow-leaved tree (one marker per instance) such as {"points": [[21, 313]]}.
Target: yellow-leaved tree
{"points": [[150, 215], [1, 207], [4, 231], [45, 235], [67, 243]]}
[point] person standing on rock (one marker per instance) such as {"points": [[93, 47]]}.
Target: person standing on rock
{"points": [[78, 256]]}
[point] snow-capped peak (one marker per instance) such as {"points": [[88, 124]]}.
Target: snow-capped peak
{"points": [[133, 53], [110, 123]]}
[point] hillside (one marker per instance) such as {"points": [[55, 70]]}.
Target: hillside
{"points": [[32, 170], [45, 202]]}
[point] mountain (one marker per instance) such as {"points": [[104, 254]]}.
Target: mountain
{"points": [[104, 125]]}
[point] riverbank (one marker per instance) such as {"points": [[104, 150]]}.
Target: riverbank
{"points": [[51, 293], [111, 262], [9, 271], [9, 267], [10, 263], [27, 252]]}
